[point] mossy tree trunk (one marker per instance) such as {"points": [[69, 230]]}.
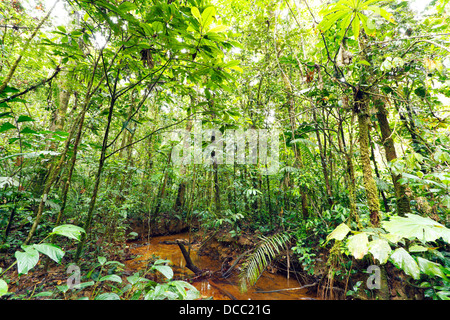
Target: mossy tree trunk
{"points": [[369, 182]]}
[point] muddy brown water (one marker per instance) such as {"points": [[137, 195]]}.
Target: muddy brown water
{"points": [[215, 288]]}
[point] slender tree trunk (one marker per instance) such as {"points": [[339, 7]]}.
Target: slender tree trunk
{"points": [[162, 191], [323, 162], [90, 213], [70, 173], [63, 94], [180, 199], [291, 111], [377, 173], [298, 157], [349, 167], [10, 220], [53, 175], [403, 202], [269, 201], [216, 187]]}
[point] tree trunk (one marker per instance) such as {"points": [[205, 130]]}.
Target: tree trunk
{"points": [[403, 202], [90, 214], [53, 175], [179, 202], [377, 173], [298, 157], [162, 192], [69, 174], [369, 182], [323, 162], [349, 169]]}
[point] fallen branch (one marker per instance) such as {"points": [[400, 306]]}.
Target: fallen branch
{"points": [[227, 273], [206, 241], [289, 289], [189, 264]]}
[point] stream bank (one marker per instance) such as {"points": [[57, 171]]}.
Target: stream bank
{"points": [[215, 254], [217, 251]]}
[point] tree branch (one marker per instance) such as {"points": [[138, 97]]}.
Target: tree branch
{"points": [[25, 48], [150, 134], [57, 70]]}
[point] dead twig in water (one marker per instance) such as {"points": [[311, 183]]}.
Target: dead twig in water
{"points": [[289, 289], [227, 273], [221, 290]]}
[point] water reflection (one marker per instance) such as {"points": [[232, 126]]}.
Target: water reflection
{"points": [[218, 288]]}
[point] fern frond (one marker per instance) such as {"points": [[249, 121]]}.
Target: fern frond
{"points": [[255, 264], [306, 148]]}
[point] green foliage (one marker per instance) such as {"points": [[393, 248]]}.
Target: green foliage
{"points": [[138, 287], [227, 219], [305, 255], [3, 287], [68, 230], [351, 13], [29, 258], [413, 236], [266, 251]]}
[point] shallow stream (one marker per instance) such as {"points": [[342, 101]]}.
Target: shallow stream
{"points": [[219, 289]]}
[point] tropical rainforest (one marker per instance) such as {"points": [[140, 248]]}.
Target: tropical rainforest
{"points": [[125, 122]]}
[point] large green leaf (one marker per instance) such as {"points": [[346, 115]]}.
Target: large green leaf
{"points": [[107, 296], [330, 20], [403, 260], [6, 126], [339, 233], [68, 230], [24, 119], [356, 26], [52, 251], [26, 260], [126, 6], [111, 277], [358, 245], [380, 249], [208, 16], [415, 226], [135, 278], [219, 28], [186, 290], [430, 268], [165, 270], [351, 12], [3, 287], [6, 115], [196, 13]]}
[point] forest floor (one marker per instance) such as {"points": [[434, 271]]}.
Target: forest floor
{"points": [[222, 249]]}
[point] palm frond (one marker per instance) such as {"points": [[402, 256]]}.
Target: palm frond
{"points": [[255, 264]]}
